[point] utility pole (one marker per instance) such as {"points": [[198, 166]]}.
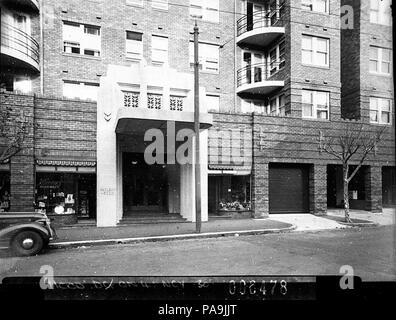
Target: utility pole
{"points": [[196, 128]]}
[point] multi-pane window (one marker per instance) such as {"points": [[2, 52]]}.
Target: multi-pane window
{"points": [[277, 106], [277, 58], [134, 45], [136, 2], [381, 12], [81, 39], [159, 52], [206, 9], [213, 102], [81, 90], [380, 60], [208, 57], [160, 4], [315, 104], [380, 110], [316, 5], [315, 50]]}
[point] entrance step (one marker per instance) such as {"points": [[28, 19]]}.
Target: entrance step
{"points": [[151, 218]]}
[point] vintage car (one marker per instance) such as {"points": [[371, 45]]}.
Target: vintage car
{"points": [[25, 233]]}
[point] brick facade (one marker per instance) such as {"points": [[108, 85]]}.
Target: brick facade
{"points": [[66, 129]]}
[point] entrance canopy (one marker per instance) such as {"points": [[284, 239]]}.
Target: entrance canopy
{"points": [[135, 121]]}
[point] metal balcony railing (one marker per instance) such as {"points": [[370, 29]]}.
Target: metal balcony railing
{"points": [[19, 41], [273, 18], [256, 73]]}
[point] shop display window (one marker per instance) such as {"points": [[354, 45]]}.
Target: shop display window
{"points": [[66, 193], [229, 193], [4, 191]]}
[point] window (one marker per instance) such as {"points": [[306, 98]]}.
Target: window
{"points": [[277, 58], [159, 49], [80, 90], [81, 39], [315, 51], [213, 102], [315, 104], [256, 106], [134, 45], [277, 106], [23, 84], [381, 12], [380, 60], [208, 57], [160, 4], [135, 2], [207, 9], [316, 5], [380, 110]]}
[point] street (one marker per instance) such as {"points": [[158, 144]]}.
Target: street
{"points": [[370, 251]]}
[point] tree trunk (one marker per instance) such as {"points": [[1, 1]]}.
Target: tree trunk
{"points": [[346, 194]]}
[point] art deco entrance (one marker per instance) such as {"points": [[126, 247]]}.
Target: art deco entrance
{"points": [[145, 186]]}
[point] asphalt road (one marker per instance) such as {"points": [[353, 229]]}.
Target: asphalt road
{"points": [[370, 251]]}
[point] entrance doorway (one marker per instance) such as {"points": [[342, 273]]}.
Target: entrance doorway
{"points": [[144, 186]]}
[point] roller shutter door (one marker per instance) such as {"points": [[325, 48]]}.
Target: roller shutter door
{"points": [[288, 189]]}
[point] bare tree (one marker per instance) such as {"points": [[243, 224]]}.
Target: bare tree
{"points": [[14, 128], [353, 144]]}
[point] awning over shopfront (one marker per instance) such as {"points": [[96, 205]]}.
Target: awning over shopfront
{"points": [[229, 170]]}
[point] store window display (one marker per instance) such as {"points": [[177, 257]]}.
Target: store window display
{"points": [[66, 193], [229, 193]]}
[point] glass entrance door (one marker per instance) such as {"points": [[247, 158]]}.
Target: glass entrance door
{"points": [[254, 66]]}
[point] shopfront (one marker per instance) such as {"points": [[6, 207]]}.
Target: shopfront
{"points": [[4, 191], [229, 195], [67, 193]]}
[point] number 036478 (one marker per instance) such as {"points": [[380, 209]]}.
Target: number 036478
{"points": [[257, 287]]}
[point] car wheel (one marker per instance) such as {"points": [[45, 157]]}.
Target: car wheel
{"points": [[27, 243]]}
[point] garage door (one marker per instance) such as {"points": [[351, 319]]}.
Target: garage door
{"points": [[288, 189]]}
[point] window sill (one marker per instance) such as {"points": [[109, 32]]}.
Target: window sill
{"points": [[380, 124], [75, 55], [316, 119], [135, 5], [316, 66], [316, 12], [379, 74], [161, 10], [133, 59]]}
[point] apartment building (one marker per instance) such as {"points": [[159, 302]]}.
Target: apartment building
{"points": [[275, 76]]}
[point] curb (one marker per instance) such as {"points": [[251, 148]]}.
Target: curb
{"points": [[359, 224], [75, 244]]}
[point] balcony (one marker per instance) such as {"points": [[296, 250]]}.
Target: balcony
{"points": [[30, 5], [18, 49], [259, 29], [259, 78]]}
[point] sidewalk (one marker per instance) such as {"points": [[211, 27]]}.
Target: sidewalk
{"points": [[85, 236], [309, 222]]}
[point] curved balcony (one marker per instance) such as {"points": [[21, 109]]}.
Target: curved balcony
{"points": [[18, 49], [259, 29], [32, 5], [259, 78]]}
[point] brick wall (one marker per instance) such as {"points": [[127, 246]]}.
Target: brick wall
{"points": [[115, 18], [22, 164]]}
